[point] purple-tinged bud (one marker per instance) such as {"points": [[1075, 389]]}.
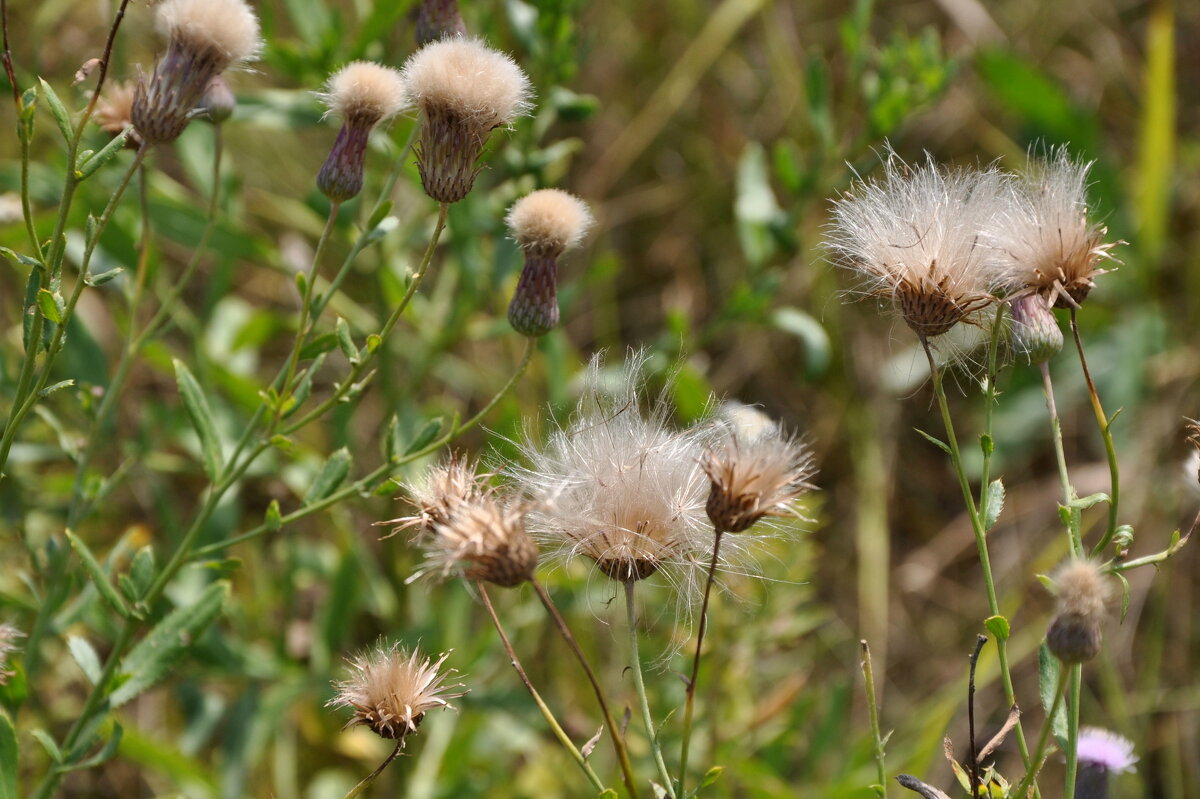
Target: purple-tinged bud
{"points": [[545, 224], [363, 94], [1036, 336], [437, 19], [218, 102]]}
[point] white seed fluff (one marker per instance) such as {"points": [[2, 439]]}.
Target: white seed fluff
{"points": [[226, 26], [365, 90], [467, 78], [549, 220]]}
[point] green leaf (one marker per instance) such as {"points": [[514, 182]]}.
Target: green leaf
{"points": [[712, 775], [937, 442], [99, 577], [998, 627], [106, 752], [88, 167], [58, 110], [8, 758], [48, 743], [1125, 591], [609, 793], [59, 386], [142, 571], [103, 277], [19, 258], [332, 474], [197, 408], [152, 658], [382, 211], [1083, 503], [346, 341], [426, 435], [86, 657], [51, 304], [986, 444], [273, 518], [381, 228], [995, 504], [1049, 669], [391, 439], [318, 346]]}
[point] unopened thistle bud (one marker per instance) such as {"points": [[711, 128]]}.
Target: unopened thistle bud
{"points": [[205, 37], [753, 471], [390, 690], [465, 90], [437, 19], [1074, 635], [218, 102], [363, 94], [1036, 336], [545, 224], [114, 112]]}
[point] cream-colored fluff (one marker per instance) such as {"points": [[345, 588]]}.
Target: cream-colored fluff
{"points": [[1081, 589], [226, 26], [367, 90], [549, 220], [469, 79]]}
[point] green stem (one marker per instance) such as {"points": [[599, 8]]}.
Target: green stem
{"points": [[985, 560], [690, 703], [547, 714], [614, 732], [1039, 752], [873, 711], [639, 683], [370, 778], [1074, 533], [1110, 450], [989, 407], [1072, 753]]}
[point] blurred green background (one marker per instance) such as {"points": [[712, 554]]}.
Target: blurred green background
{"points": [[708, 137]]}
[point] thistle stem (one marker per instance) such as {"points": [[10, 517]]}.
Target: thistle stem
{"points": [[689, 706], [370, 778], [1039, 752], [985, 560], [1073, 528], [639, 682], [1110, 450], [614, 731], [555, 727]]}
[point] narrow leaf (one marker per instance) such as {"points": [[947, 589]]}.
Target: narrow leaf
{"points": [[99, 577], [712, 775], [1083, 503], [58, 110], [426, 435], [108, 152], [106, 752], [86, 657], [995, 504], [937, 442], [332, 474], [51, 305], [1125, 591], [346, 341], [197, 408], [318, 345], [1048, 673], [8, 758], [152, 658], [103, 277], [59, 386]]}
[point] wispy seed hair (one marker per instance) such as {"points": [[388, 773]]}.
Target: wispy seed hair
{"points": [[549, 221], [465, 77], [228, 27]]}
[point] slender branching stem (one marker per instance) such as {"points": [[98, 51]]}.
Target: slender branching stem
{"points": [[614, 732], [873, 711], [981, 544], [639, 683], [370, 778], [690, 702], [1039, 752], [1074, 530], [547, 714], [989, 407], [1110, 450], [1075, 689]]}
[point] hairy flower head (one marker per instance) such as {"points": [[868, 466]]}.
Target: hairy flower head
{"points": [[754, 470], [1083, 594], [391, 689], [548, 221], [227, 28], [1106, 750], [913, 236], [1044, 239], [618, 485], [365, 91]]}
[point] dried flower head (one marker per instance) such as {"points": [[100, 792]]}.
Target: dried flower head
{"points": [[204, 38], [1036, 336], [754, 470], [363, 94], [1045, 242], [437, 19], [114, 110], [465, 90], [619, 486], [1082, 594], [438, 493], [390, 690], [8, 645], [545, 224], [912, 236]]}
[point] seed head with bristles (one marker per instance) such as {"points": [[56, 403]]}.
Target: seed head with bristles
{"points": [[619, 486], [753, 471], [464, 90], [436, 495], [545, 224], [205, 37], [1082, 593], [913, 236], [391, 689], [1045, 241]]}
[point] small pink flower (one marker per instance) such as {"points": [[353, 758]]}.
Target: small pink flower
{"points": [[1106, 750]]}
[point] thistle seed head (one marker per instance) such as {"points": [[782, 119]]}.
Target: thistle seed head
{"points": [[1082, 593], [436, 495], [545, 224], [391, 689]]}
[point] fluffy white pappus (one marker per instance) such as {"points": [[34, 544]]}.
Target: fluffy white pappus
{"points": [[913, 236], [366, 91], [227, 26], [621, 487], [549, 221], [1081, 589], [464, 77], [1044, 239]]}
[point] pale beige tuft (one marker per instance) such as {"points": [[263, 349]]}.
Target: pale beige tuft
{"points": [[549, 221], [465, 77], [228, 27], [391, 690], [114, 109], [364, 90], [8, 645], [436, 495], [1081, 589]]}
